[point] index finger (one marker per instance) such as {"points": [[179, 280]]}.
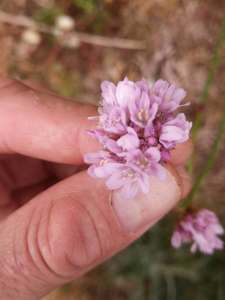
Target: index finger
{"points": [[44, 126], [181, 153]]}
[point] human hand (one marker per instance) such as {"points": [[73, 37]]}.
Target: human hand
{"points": [[53, 232]]}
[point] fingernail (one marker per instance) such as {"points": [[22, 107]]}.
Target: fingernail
{"points": [[137, 213]]}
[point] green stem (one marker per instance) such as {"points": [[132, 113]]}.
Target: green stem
{"points": [[205, 91], [208, 164]]}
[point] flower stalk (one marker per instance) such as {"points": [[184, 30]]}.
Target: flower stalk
{"points": [[208, 164], [205, 92]]}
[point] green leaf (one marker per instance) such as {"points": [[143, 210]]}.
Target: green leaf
{"points": [[88, 5], [47, 15]]}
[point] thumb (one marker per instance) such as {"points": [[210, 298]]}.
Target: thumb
{"points": [[72, 227]]}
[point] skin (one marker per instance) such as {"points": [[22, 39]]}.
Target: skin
{"points": [[56, 221]]}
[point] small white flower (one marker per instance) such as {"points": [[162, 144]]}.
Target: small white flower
{"points": [[71, 42], [31, 37], [65, 23]]}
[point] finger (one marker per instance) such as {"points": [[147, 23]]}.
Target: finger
{"points": [[62, 171], [186, 180], [36, 177], [12, 200], [33, 171], [7, 206], [181, 153], [19, 171], [43, 126], [22, 196], [37, 85], [50, 127], [72, 227]]}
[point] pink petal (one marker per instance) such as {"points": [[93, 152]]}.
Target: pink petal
{"points": [[171, 90], [108, 169], [171, 133], [115, 181], [108, 92], [216, 228], [125, 92], [218, 243], [158, 171], [129, 141], [129, 190], [176, 239], [144, 184], [153, 154], [152, 114], [194, 248], [179, 95], [113, 147], [91, 158], [91, 171], [143, 85]]}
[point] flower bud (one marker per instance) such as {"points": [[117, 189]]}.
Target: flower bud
{"points": [[152, 141]]}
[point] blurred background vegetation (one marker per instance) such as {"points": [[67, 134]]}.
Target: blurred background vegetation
{"points": [[179, 38]]}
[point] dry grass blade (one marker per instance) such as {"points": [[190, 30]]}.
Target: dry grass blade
{"points": [[24, 21]]}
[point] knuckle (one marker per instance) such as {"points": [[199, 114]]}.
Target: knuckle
{"points": [[13, 93], [5, 82], [9, 86]]}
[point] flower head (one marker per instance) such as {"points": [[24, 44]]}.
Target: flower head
{"points": [[137, 130], [201, 228]]}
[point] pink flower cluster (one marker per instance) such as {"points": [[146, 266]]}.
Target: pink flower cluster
{"points": [[137, 129], [202, 228]]}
